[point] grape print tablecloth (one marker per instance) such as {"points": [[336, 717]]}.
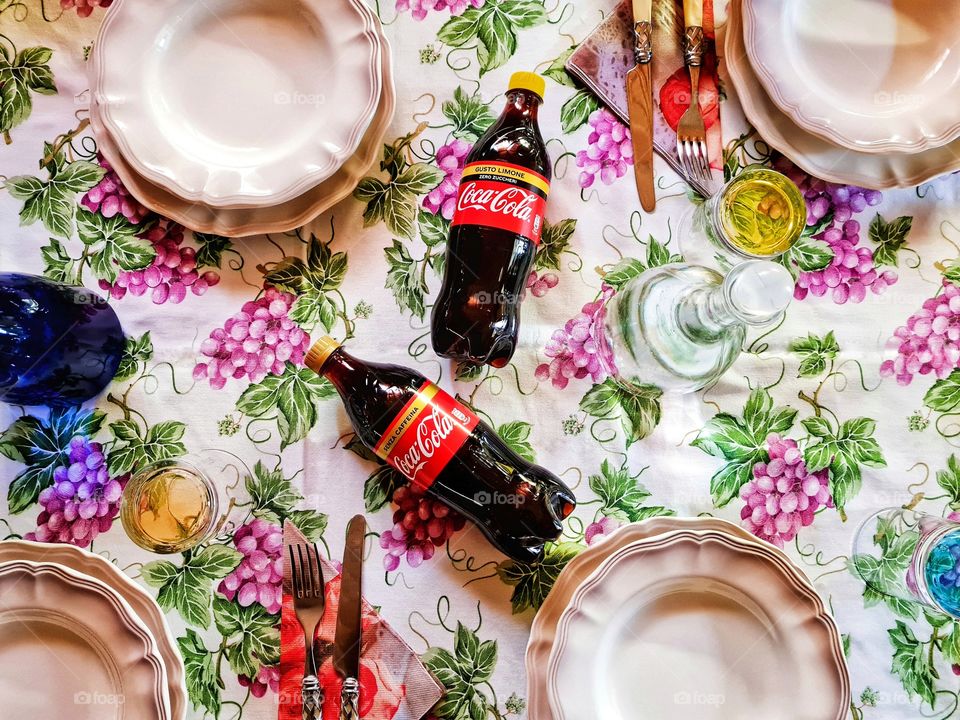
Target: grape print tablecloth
{"points": [[851, 403]]}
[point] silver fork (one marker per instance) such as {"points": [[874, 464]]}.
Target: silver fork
{"points": [[308, 602], [691, 132]]}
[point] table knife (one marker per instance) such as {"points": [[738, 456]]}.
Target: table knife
{"points": [[640, 103], [346, 643]]}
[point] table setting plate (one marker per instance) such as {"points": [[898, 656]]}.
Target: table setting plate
{"points": [[240, 222], [237, 104], [140, 601], [814, 154], [869, 75], [698, 624], [92, 655]]}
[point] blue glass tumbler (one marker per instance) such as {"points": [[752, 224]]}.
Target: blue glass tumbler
{"points": [[59, 345]]}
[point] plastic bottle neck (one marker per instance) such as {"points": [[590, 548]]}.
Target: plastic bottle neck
{"points": [[523, 104]]}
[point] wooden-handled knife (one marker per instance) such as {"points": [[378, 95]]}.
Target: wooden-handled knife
{"points": [[640, 103]]}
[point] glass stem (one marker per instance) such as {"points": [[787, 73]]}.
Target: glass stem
{"points": [[704, 315]]}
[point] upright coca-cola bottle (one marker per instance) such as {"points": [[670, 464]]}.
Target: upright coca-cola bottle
{"points": [[494, 233], [444, 449]]}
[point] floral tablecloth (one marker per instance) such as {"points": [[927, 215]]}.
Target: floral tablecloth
{"points": [[859, 387]]}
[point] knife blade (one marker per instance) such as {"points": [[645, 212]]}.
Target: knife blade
{"points": [[346, 643], [640, 104]]}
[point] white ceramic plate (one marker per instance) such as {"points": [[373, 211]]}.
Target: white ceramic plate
{"points": [[701, 625], [817, 156], [240, 222], [870, 75], [139, 600], [544, 630], [237, 103], [72, 648]]}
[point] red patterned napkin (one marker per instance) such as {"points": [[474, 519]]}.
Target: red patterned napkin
{"points": [[394, 684], [604, 58]]}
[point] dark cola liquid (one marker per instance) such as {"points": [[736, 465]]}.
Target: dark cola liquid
{"points": [[476, 317], [518, 506]]}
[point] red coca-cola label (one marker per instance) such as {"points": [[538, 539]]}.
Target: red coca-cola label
{"points": [[426, 434], [502, 195]]}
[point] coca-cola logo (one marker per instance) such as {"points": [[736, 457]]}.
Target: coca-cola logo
{"points": [[432, 430], [513, 201]]}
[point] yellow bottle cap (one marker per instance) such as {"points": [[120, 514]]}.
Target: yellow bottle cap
{"points": [[527, 81], [319, 352]]}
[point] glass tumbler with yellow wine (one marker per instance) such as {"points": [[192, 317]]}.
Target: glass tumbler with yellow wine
{"points": [[171, 506]]}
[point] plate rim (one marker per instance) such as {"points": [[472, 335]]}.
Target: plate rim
{"points": [[892, 170], [124, 613], [367, 27], [83, 561], [797, 580], [794, 109]]}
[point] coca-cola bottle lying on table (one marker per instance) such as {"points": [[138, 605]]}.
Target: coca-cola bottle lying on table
{"points": [[494, 233], [444, 449]]}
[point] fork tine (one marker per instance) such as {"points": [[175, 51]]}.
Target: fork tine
{"points": [[319, 579], [294, 573], [304, 576], [311, 572]]}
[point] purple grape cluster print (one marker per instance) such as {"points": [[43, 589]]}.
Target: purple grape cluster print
{"points": [[450, 158], [420, 8], [109, 196], [609, 152], [259, 576], [83, 500], [421, 525], [268, 678], [782, 497], [576, 350], [929, 343], [171, 274], [540, 285], [256, 341], [852, 271], [85, 7]]}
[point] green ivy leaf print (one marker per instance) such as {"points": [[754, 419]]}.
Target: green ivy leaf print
{"points": [[944, 395], [890, 238], [188, 588], [134, 446], [251, 633], [467, 372], [395, 202], [434, 228], [815, 352], [949, 480], [494, 25], [843, 452], [274, 498], [575, 112], [58, 265], [470, 115], [382, 482], [313, 281], [52, 201], [20, 74], [112, 244], [741, 441], [884, 575], [136, 352], [211, 248], [951, 643], [553, 243], [638, 410], [532, 582], [806, 255], [911, 662], [621, 495], [557, 70], [42, 445], [405, 279], [517, 436], [202, 676], [461, 672], [292, 396], [623, 272]]}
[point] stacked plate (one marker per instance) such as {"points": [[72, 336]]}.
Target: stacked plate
{"points": [[684, 618], [80, 640], [240, 118], [860, 92]]}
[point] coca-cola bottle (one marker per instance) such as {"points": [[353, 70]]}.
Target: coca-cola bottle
{"points": [[494, 233], [443, 448]]}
